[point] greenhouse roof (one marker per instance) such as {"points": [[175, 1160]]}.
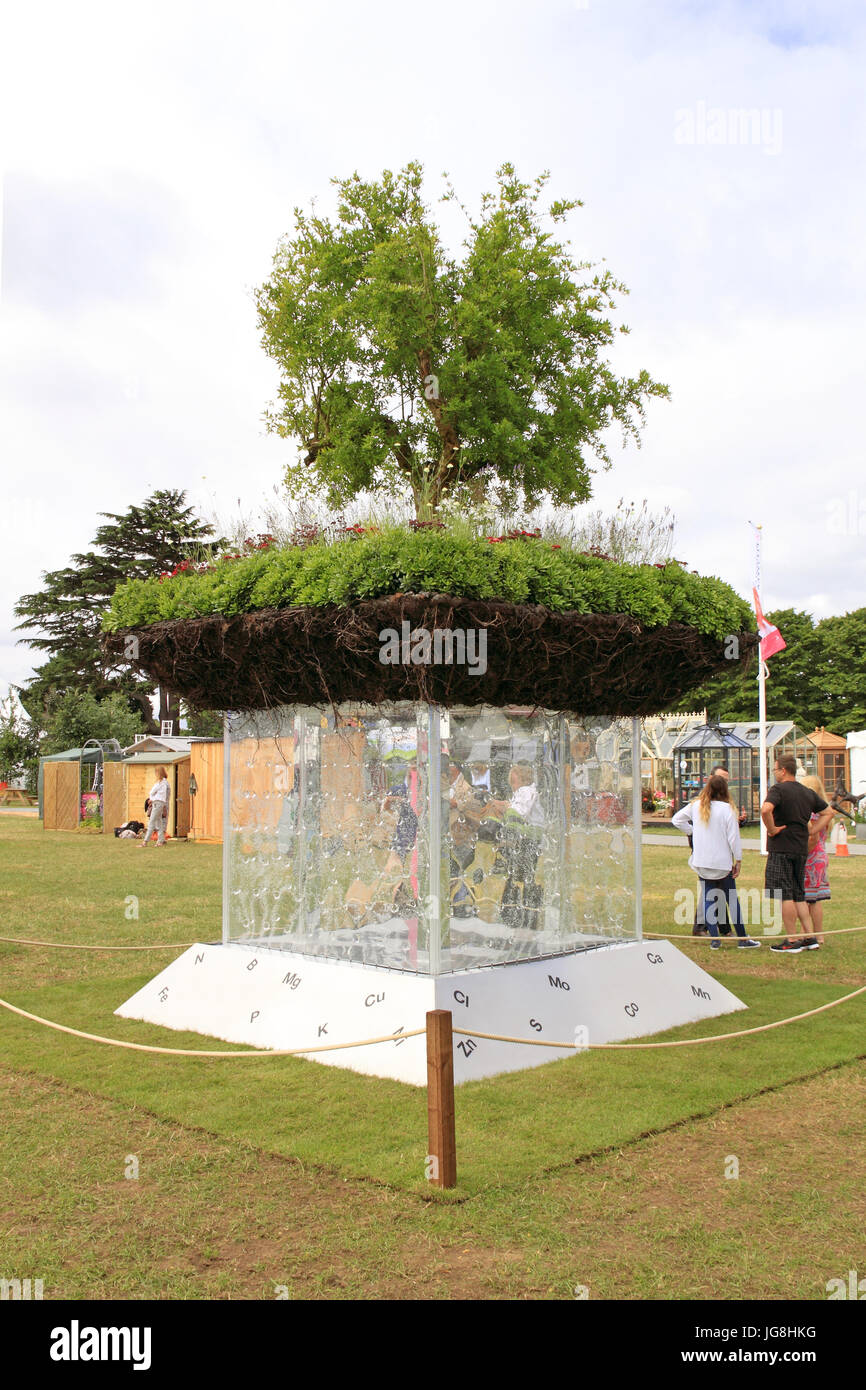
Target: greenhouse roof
{"points": [[711, 736]]}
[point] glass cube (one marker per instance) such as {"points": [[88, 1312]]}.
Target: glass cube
{"points": [[430, 840]]}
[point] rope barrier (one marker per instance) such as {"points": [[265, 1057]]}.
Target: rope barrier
{"points": [[192, 1052], [184, 945], [677, 1042], [416, 1032], [689, 936], [78, 946]]}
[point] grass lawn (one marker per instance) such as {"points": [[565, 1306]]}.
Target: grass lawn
{"points": [[605, 1170]]}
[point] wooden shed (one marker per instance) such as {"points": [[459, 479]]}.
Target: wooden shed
{"points": [[206, 807], [139, 775], [833, 766]]}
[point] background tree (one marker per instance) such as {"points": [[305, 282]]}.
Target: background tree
{"points": [[67, 611], [402, 367], [77, 716], [18, 745], [843, 674], [819, 679], [202, 723]]}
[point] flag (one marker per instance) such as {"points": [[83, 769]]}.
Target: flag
{"points": [[772, 640]]}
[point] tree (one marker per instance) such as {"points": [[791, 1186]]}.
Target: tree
{"points": [[202, 723], [819, 679], [67, 612], [843, 674], [77, 716], [18, 746], [402, 367]]}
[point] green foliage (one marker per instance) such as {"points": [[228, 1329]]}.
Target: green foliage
{"points": [[843, 673], [203, 723], [403, 367], [819, 679], [18, 744], [394, 560], [77, 716], [67, 611]]}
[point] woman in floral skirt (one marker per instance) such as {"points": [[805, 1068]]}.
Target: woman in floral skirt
{"points": [[817, 882]]}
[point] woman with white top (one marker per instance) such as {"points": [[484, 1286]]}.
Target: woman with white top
{"points": [[716, 856], [158, 798]]}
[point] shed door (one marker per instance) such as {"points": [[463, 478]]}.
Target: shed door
{"points": [[61, 796], [181, 802], [113, 797], [139, 780]]}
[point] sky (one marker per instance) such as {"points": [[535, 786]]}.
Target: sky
{"points": [[151, 159]]}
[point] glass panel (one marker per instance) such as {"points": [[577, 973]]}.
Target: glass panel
{"points": [[347, 839], [326, 848]]}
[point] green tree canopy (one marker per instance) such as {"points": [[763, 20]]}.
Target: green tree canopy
{"points": [[819, 679], [77, 716], [18, 745], [404, 367], [66, 613]]}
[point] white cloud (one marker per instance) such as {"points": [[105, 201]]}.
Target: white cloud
{"points": [[181, 137]]}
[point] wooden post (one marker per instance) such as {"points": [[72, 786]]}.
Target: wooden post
{"points": [[441, 1141]]}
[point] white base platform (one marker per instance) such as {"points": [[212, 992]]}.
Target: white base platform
{"points": [[273, 999]]}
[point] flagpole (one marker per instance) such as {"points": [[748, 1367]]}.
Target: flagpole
{"points": [[762, 696], [762, 720]]}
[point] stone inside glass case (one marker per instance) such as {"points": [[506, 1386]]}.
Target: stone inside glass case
{"points": [[430, 840]]}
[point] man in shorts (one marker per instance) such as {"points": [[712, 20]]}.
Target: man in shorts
{"points": [[786, 814]]}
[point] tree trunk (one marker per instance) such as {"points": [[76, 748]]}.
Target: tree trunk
{"points": [[143, 702], [169, 708]]}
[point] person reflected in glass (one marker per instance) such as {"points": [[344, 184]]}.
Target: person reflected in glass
{"points": [[523, 820], [405, 834]]}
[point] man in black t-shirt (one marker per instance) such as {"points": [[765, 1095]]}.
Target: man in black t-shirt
{"points": [[786, 814]]}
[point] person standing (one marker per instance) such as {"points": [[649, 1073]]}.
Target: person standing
{"points": [[787, 813], [158, 798], [700, 926], [815, 878], [716, 857]]}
